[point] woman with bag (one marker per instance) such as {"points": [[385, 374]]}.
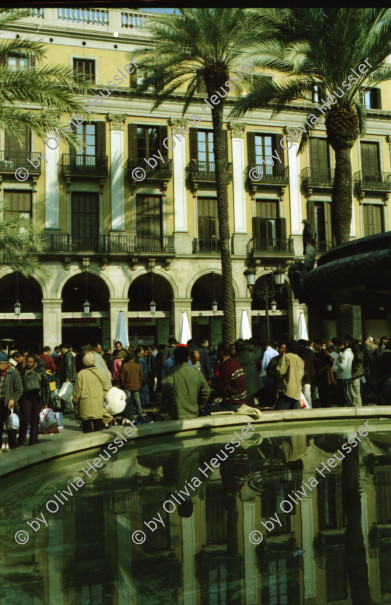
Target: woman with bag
{"points": [[35, 395]]}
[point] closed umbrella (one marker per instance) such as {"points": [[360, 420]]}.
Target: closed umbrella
{"points": [[302, 333], [245, 330], [121, 332], [184, 332]]}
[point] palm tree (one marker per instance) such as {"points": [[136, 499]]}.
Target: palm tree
{"points": [[200, 45], [323, 47], [51, 87]]}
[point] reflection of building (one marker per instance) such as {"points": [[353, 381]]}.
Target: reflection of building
{"points": [[87, 552], [98, 219]]}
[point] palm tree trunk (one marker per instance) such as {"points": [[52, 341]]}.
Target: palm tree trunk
{"points": [[229, 327], [341, 216]]}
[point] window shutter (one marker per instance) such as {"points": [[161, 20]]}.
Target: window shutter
{"points": [[100, 139], [282, 229], [251, 149], [310, 212], [370, 158], [132, 143], [163, 134], [11, 145], [376, 98], [259, 228], [327, 222], [193, 144]]}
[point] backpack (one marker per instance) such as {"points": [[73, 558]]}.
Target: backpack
{"points": [[31, 381]]}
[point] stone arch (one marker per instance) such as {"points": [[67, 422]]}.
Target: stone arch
{"points": [[140, 294], [73, 292], [160, 272], [7, 270], [95, 271], [30, 292], [206, 272]]}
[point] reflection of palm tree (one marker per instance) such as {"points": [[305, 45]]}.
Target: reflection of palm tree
{"points": [[356, 562]]}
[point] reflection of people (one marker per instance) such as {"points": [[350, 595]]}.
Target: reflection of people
{"points": [[179, 468]]}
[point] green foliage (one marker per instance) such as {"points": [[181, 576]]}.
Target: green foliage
{"points": [[317, 46], [20, 242], [44, 87]]}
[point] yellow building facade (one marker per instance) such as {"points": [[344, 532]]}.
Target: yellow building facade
{"points": [[121, 237]]}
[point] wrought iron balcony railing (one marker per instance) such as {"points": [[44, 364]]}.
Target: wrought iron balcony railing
{"points": [[10, 161], [372, 180], [108, 244], [273, 245], [84, 165], [277, 175], [317, 177], [205, 172], [209, 245], [160, 172]]}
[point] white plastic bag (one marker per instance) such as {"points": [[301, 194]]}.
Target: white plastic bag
{"points": [[303, 402], [13, 421], [66, 391], [48, 421]]}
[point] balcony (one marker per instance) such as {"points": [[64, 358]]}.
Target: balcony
{"points": [[84, 166], [205, 173], [162, 172], [322, 247], [313, 178], [271, 175], [209, 245], [271, 246], [372, 182], [10, 161], [114, 244]]}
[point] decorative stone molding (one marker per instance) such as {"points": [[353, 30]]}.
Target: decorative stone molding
{"points": [[103, 263], [151, 264], [133, 263], [116, 121], [67, 263], [167, 264], [237, 129], [85, 263]]}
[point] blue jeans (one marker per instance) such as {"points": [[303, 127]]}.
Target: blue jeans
{"points": [[133, 403]]}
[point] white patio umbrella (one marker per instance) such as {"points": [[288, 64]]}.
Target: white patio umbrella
{"points": [[245, 330], [184, 332], [121, 332], [302, 332]]}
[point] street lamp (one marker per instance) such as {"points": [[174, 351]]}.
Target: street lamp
{"points": [[17, 305], [152, 304], [214, 301], [86, 305], [267, 292]]}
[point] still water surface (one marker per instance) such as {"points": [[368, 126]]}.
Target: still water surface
{"points": [[330, 542]]}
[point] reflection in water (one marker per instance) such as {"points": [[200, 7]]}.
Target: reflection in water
{"points": [[332, 546]]}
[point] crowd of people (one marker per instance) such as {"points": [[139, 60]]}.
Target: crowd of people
{"points": [[178, 381]]}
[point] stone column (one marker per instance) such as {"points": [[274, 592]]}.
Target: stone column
{"points": [[117, 305], [294, 193], [52, 197], [179, 305], [250, 560], [125, 587], [182, 240], [117, 171], [52, 324], [307, 544], [294, 310], [240, 236]]}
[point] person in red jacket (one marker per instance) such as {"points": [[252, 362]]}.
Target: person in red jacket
{"points": [[231, 383]]}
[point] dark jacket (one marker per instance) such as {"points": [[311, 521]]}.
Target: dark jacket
{"points": [[13, 386], [67, 367], [204, 361], [309, 364], [248, 358], [43, 392], [358, 362], [131, 376]]}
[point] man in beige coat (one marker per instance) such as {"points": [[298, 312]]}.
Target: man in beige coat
{"points": [[88, 395], [290, 372]]}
